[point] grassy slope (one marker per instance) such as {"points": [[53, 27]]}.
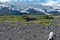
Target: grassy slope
{"points": [[42, 20]]}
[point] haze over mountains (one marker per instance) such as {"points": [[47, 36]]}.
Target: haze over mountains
{"points": [[24, 8]]}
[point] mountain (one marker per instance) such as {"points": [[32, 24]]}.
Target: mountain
{"points": [[54, 12], [7, 11], [34, 11], [21, 8], [12, 10]]}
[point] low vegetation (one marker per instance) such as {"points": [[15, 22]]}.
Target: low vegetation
{"points": [[12, 19], [42, 20]]}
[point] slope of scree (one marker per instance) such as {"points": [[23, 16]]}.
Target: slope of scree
{"points": [[27, 32]]}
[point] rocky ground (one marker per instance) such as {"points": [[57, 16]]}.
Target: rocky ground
{"points": [[27, 32]]}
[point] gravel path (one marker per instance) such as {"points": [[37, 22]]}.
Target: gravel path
{"points": [[27, 32]]}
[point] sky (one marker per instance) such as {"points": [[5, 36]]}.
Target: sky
{"points": [[3, 0], [41, 1]]}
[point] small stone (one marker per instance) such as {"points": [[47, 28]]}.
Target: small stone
{"points": [[34, 36], [9, 39], [1, 33]]}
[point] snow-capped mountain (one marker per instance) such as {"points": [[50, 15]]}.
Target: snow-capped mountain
{"points": [[30, 8], [35, 11]]}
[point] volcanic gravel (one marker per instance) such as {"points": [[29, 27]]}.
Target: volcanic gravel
{"points": [[27, 32]]}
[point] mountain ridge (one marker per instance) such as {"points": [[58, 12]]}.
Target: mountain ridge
{"points": [[35, 8]]}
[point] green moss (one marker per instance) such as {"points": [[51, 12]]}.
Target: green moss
{"points": [[43, 20], [58, 24]]}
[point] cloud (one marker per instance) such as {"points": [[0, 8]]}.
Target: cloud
{"points": [[3, 0], [50, 1], [41, 1]]}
